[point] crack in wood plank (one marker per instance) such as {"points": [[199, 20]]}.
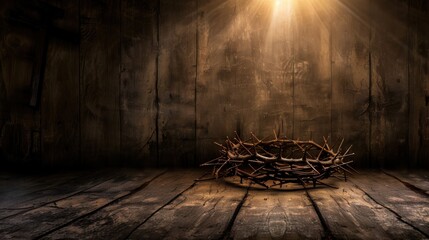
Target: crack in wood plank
{"points": [[326, 229], [408, 185], [227, 232], [25, 210], [117, 200], [398, 216], [166, 204]]}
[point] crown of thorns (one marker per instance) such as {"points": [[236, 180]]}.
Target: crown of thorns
{"points": [[280, 161]]}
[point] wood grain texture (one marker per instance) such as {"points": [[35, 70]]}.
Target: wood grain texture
{"points": [[418, 84], [99, 82], [312, 71], [351, 214], [350, 35], [59, 128], [203, 212], [20, 133], [69, 209], [139, 47], [135, 204], [4, 106], [389, 84], [414, 180], [173, 78], [24, 194], [119, 220], [177, 75], [214, 120], [412, 208], [277, 215]]}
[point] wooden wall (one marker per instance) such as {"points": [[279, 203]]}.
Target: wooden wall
{"points": [[156, 82]]}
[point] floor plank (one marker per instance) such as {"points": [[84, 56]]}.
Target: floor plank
{"points": [[20, 194], [409, 206], [60, 213], [277, 215], [119, 220], [158, 204], [415, 180], [351, 214], [203, 212]]}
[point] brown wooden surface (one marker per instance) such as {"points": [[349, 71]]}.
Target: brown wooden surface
{"points": [[119, 220], [203, 212], [60, 89], [69, 209], [389, 84], [177, 77], [20, 123], [413, 208], [350, 71], [351, 214], [153, 204], [277, 215], [99, 81], [156, 82], [20, 196], [138, 80], [312, 71], [417, 180], [418, 83], [215, 83]]}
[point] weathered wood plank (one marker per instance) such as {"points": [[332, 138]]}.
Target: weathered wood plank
{"points": [[415, 180], [247, 87], [203, 212], [312, 71], [4, 106], [411, 207], [277, 215], [139, 48], [19, 197], [59, 128], [350, 76], [177, 75], [17, 185], [418, 63], [20, 133], [272, 49], [70, 209], [119, 220], [389, 83], [244, 71], [351, 214], [99, 81], [215, 119]]}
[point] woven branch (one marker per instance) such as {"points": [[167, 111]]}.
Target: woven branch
{"points": [[280, 161]]}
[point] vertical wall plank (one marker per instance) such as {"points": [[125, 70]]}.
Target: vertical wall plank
{"points": [[245, 92], [99, 81], [389, 83], [418, 27], [350, 76], [138, 81], [312, 71], [4, 106], [215, 120], [271, 48], [60, 128], [20, 133], [177, 74]]}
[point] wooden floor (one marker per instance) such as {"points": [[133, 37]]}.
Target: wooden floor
{"points": [[160, 204]]}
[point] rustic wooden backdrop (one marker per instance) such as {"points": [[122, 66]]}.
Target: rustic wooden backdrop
{"points": [[156, 82]]}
